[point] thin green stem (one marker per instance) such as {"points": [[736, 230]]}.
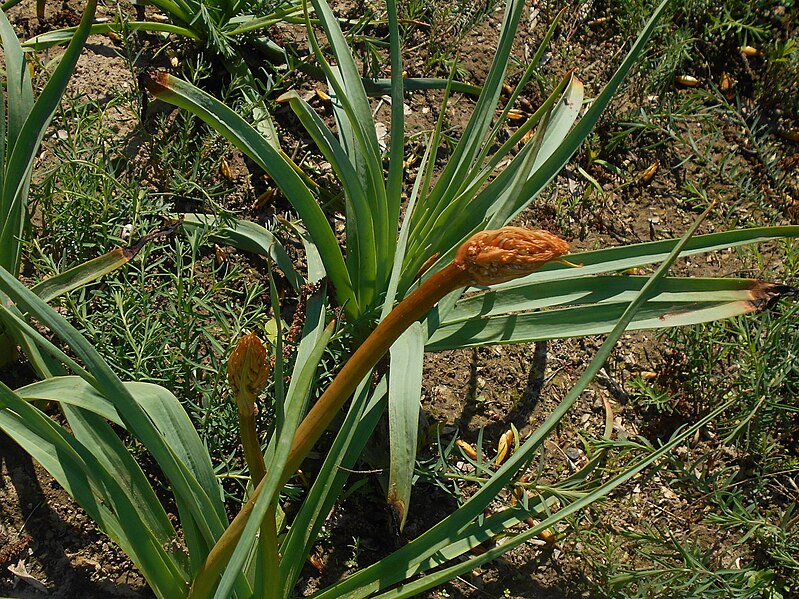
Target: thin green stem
{"points": [[252, 447]]}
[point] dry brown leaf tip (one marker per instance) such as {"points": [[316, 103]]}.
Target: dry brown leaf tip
{"points": [[492, 257]]}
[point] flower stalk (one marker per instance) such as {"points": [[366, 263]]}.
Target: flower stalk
{"points": [[487, 258], [248, 372]]}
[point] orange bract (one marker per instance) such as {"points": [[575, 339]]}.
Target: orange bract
{"points": [[492, 257], [248, 368]]}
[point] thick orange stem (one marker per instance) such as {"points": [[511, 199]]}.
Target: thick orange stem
{"points": [[487, 258]]}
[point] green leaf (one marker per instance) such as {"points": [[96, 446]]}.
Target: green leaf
{"points": [[600, 289], [81, 275], [503, 209], [468, 148], [404, 395], [435, 228], [277, 454], [161, 406], [358, 137], [471, 220], [94, 433], [414, 588], [641, 254], [361, 243], [18, 82], [203, 503], [19, 95], [26, 130], [396, 149], [94, 487], [364, 412], [62, 36], [405, 562], [316, 268], [592, 320]]}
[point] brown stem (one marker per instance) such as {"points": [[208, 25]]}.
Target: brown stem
{"points": [[408, 311]]}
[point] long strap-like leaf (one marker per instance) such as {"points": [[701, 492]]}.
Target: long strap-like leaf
{"points": [[206, 506], [21, 156], [404, 562], [94, 487]]}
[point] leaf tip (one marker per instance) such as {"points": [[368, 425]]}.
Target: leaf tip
{"points": [[157, 82], [763, 295], [397, 509]]}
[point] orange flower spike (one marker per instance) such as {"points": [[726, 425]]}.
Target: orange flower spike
{"points": [[247, 372], [492, 257]]}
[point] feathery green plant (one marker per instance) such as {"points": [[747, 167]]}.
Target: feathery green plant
{"points": [[23, 123]]}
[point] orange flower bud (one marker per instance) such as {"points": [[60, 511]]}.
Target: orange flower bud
{"points": [[505, 446], [492, 257], [248, 371], [467, 449]]}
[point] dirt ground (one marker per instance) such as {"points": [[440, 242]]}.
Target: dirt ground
{"points": [[49, 548]]}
